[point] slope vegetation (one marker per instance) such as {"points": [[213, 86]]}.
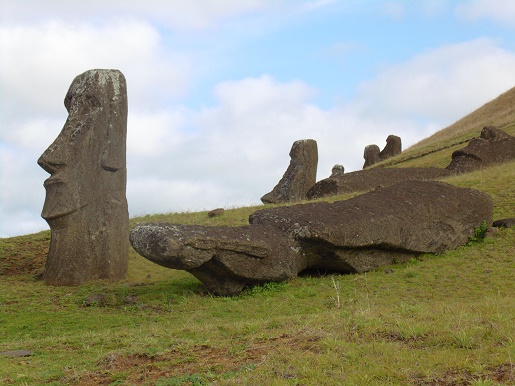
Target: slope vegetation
{"points": [[437, 320]]}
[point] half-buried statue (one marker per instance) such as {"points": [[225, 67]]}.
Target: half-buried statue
{"points": [[85, 204]]}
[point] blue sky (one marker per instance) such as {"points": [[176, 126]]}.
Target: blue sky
{"points": [[220, 89]]}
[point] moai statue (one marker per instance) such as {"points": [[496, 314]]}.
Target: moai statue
{"points": [[337, 170], [393, 147], [299, 177], [85, 204], [371, 155]]}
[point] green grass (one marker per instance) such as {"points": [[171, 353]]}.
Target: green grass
{"points": [[436, 320]]}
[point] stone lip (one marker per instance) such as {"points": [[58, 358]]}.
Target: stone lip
{"points": [[389, 224]]}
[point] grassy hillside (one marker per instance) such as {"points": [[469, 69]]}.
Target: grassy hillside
{"points": [[437, 149], [437, 320]]}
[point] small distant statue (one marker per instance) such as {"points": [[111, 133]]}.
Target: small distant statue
{"points": [[337, 170], [372, 154], [85, 204]]}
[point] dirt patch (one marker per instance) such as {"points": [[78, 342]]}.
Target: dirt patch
{"points": [[24, 255], [503, 374], [189, 364]]}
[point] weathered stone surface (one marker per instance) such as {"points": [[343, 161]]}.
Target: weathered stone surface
{"points": [[381, 226], [504, 223], [371, 155], [389, 224], [85, 202], [225, 259], [337, 170], [492, 147], [393, 147], [216, 212], [300, 175], [365, 180]]}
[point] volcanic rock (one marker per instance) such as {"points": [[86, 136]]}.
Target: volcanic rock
{"points": [[388, 224], [368, 179], [85, 204], [300, 175]]}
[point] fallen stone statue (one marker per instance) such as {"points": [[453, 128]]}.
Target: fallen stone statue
{"points": [[389, 224]]}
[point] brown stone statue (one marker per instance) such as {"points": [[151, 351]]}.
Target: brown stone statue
{"points": [[389, 224], [299, 177], [85, 202]]}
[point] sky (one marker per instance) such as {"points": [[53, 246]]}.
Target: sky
{"points": [[219, 90]]}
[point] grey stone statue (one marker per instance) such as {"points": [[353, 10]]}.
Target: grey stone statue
{"points": [[85, 204]]}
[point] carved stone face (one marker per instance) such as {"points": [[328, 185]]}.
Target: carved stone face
{"points": [[79, 159]]}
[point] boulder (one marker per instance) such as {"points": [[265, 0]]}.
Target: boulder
{"points": [[300, 175], [216, 212], [492, 147], [389, 224], [504, 223]]}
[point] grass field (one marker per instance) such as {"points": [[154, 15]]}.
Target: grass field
{"points": [[438, 320]]}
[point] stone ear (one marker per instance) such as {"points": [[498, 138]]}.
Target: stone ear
{"points": [[110, 161]]}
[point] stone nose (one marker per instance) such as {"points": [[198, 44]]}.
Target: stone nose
{"points": [[51, 160]]}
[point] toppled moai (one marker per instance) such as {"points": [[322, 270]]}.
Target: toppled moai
{"points": [[300, 175], [85, 204], [390, 224], [492, 147]]}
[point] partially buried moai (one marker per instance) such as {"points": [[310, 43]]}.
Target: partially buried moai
{"points": [[85, 204]]}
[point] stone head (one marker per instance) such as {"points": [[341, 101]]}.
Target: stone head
{"points": [[87, 159]]}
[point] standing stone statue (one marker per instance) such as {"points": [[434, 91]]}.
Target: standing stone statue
{"points": [[372, 154], [85, 202], [299, 177], [337, 170]]}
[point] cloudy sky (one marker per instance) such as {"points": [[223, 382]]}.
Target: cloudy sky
{"points": [[220, 89]]}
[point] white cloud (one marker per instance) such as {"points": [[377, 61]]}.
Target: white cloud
{"points": [[498, 10], [176, 14], [442, 84], [394, 9], [39, 62]]}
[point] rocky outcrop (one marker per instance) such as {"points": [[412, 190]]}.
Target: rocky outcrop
{"points": [[388, 224], [365, 180], [300, 175], [492, 147], [372, 154]]}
